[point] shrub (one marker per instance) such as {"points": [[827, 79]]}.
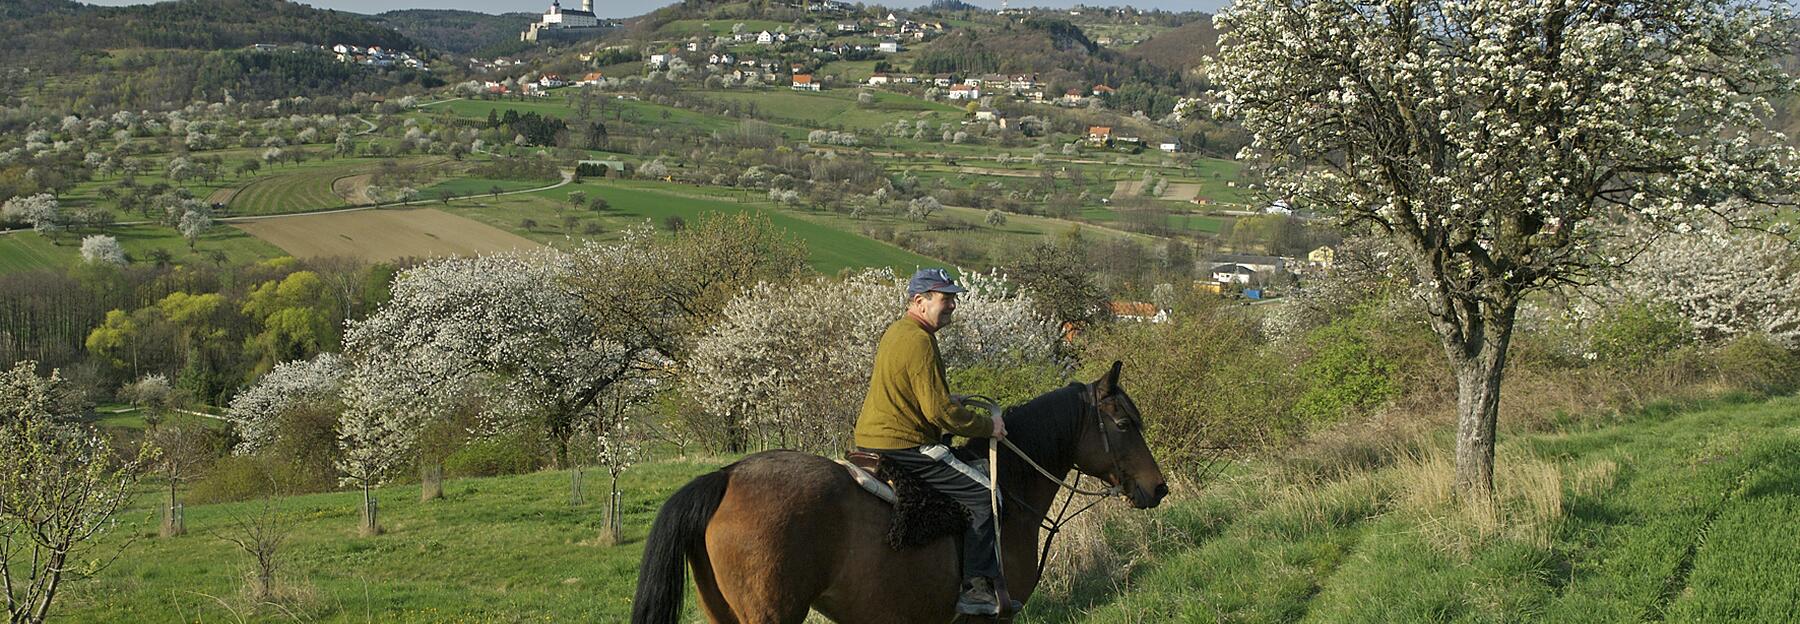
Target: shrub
{"points": [[486, 457], [1202, 380], [1754, 362], [1344, 374], [1634, 336]]}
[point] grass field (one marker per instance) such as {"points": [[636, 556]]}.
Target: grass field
{"points": [[611, 110], [463, 187], [1670, 514], [1673, 515], [29, 251], [308, 186], [838, 107], [380, 235], [636, 202], [506, 549]]}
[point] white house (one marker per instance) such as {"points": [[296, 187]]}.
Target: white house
{"points": [[986, 114], [878, 79], [805, 82], [658, 60], [551, 80], [1169, 146], [765, 38], [964, 92], [1233, 274], [890, 47]]}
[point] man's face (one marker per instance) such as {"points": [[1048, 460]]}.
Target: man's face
{"points": [[935, 307]]}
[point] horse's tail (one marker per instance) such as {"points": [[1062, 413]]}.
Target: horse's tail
{"points": [[678, 534]]}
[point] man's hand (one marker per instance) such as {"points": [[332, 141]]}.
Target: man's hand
{"points": [[999, 428]]}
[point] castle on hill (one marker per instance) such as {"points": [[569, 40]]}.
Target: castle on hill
{"points": [[563, 23]]}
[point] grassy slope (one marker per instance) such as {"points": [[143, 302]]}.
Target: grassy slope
{"points": [[503, 549], [27, 251], [1677, 516]]}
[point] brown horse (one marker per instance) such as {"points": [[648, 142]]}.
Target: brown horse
{"points": [[780, 532]]}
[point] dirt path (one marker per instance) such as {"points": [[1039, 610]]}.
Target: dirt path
{"points": [[223, 196], [354, 189]]}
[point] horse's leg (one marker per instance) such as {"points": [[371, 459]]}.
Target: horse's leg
{"points": [[712, 601]]}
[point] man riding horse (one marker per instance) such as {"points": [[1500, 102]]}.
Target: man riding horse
{"points": [[909, 408], [782, 533]]}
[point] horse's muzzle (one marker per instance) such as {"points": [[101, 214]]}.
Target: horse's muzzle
{"points": [[1145, 499]]}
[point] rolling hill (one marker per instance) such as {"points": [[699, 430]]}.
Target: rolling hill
{"points": [[461, 32], [1181, 49], [81, 56]]}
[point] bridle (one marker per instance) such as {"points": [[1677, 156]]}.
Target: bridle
{"points": [[1090, 402]]}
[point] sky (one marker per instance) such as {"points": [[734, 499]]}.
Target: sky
{"points": [[630, 8]]}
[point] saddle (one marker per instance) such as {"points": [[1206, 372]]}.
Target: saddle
{"points": [[921, 513]]}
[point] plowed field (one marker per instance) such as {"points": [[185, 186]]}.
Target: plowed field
{"points": [[378, 235]]}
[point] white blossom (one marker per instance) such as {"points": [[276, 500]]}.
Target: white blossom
{"points": [[102, 249], [41, 211], [300, 383]]}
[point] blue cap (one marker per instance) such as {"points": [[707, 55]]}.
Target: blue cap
{"points": [[932, 280]]}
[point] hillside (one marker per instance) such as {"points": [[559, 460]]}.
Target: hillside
{"points": [[461, 32], [1181, 49], [1670, 514], [150, 56], [38, 33]]}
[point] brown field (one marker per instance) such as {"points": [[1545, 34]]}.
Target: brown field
{"points": [[378, 235], [354, 189], [1175, 191]]}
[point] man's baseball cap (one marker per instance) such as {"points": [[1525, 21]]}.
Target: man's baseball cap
{"points": [[932, 280]]}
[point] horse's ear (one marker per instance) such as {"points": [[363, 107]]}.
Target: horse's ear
{"points": [[1111, 381]]}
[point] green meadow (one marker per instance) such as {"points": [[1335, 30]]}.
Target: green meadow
{"points": [[30, 251], [634, 203], [1672, 513]]}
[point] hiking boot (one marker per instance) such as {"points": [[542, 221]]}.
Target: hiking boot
{"points": [[978, 598]]}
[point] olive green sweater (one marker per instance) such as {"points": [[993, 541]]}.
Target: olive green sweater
{"points": [[909, 400]]}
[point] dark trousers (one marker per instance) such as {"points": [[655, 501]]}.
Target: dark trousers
{"points": [[978, 557]]}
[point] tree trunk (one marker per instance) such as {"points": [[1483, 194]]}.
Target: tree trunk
{"points": [[172, 520], [371, 525], [55, 572], [610, 533], [431, 482], [1479, 362], [575, 498]]}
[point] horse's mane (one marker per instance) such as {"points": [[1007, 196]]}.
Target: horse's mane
{"points": [[1044, 427]]}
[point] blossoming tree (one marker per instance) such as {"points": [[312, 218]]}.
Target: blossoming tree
{"points": [[1498, 142], [258, 410], [791, 363], [505, 330]]}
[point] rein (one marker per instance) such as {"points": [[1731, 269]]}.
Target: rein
{"points": [[1063, 517]]}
